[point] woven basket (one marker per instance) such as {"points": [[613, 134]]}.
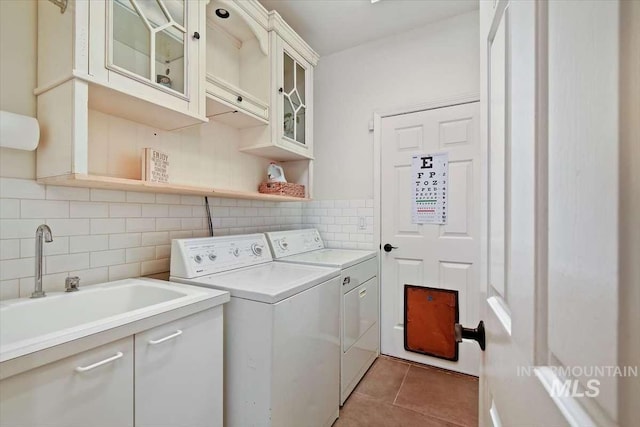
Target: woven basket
{"points": [[282, 189]]}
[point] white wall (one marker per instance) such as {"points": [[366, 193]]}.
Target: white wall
{"points": [[18, 23], [437, 61]]}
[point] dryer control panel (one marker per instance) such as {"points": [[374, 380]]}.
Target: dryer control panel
{"points": [[293, 242], [208, 255]]}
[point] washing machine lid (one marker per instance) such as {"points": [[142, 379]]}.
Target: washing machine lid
{"points": [[269, 283], [339, 258]]}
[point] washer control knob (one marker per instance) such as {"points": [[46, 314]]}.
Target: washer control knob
{"points": [[283, 244], [236, 252], [213, 257], [197, 259], [316, 239], [257, 249]]}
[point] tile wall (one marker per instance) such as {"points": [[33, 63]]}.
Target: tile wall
{"points": [[103, 235], [344, 224]]}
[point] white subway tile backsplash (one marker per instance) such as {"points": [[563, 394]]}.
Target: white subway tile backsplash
{"points": [[171, 199], [168, 224], [141, 224], [18, 228], [157, 211], [13, 188], [217, 211], [88, 243], [9, 249], [125, 210], [191, 223], [44, 209], [192, 200], [60, 245], [103, 235], [16, 268], [69, 227], [60, 263], [124, 240], [124, 271], [155, 238], [198, 211], [9, 289], [88, 210], [180, 211], [134, 196], [9, 208], [54, 192], [107, 258], [108, 226], [140, 254], [184, 234], [163, 251], [99, 195], [156, 266], [91, 276]]}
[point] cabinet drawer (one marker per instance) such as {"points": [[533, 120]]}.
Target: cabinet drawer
{"points": [[356, 275], [357, 360], [178, 372], [90, 389], [239, 99], [360, 312]]}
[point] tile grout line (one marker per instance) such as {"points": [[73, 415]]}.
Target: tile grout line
{"points": [[401, 384]]}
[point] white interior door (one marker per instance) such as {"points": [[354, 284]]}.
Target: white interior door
{"points": [[441, 256], [549, 284]]}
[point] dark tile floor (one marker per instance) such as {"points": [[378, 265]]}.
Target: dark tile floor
{"points": [[399, 393]]}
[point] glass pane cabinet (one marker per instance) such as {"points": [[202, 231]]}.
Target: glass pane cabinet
{"points": [[295, 80], [148, 41]]}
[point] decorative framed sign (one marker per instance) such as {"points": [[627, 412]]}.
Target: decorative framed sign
{"points": [[429, 182]]}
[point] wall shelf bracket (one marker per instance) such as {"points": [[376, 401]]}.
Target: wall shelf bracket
{"points": [[62, 4]]}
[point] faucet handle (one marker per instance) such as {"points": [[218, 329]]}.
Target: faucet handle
{"points": [[72, 283]]}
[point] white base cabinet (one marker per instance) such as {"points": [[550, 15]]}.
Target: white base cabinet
{"points": [[168, 376], [73, 392], [178, 373]]}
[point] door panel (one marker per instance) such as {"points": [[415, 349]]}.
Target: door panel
{"points": [[444, 256], [548, 240]]}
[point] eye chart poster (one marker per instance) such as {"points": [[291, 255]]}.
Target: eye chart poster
{"points": [[430, 175]]}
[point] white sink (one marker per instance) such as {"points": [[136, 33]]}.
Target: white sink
{"points": [[28, 325]]}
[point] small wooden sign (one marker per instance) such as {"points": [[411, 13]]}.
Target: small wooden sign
{"points": [[155, 165]]}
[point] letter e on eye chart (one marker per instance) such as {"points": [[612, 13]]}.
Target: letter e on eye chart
{"points": [[430, 178]]}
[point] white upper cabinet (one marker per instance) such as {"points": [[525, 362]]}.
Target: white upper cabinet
{"points": [[238, 63], [289, 135], [143, 59], [294, 103]]}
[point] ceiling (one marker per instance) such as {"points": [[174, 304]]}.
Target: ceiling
{"points": [[330, 26]]}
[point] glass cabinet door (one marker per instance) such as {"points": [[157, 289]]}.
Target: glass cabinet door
{"points": [[295, 104], [148, 41]]}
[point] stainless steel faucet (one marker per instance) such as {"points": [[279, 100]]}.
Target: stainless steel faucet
{"points": [[42, 232]]}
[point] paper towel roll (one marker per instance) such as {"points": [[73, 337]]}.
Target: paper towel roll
{"points": [[18, 131]]}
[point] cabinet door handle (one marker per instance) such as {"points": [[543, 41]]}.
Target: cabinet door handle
{"points": [[239, 98], [363, 292], [196, 35], [167, 338], [280, 90], [117, 356], [346, 281]]}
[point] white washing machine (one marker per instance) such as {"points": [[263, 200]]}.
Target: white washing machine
{"points": [[359, 306], [281, 329]]}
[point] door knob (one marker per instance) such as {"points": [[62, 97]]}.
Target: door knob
{"points": [[388, 248], [476, 334]]}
